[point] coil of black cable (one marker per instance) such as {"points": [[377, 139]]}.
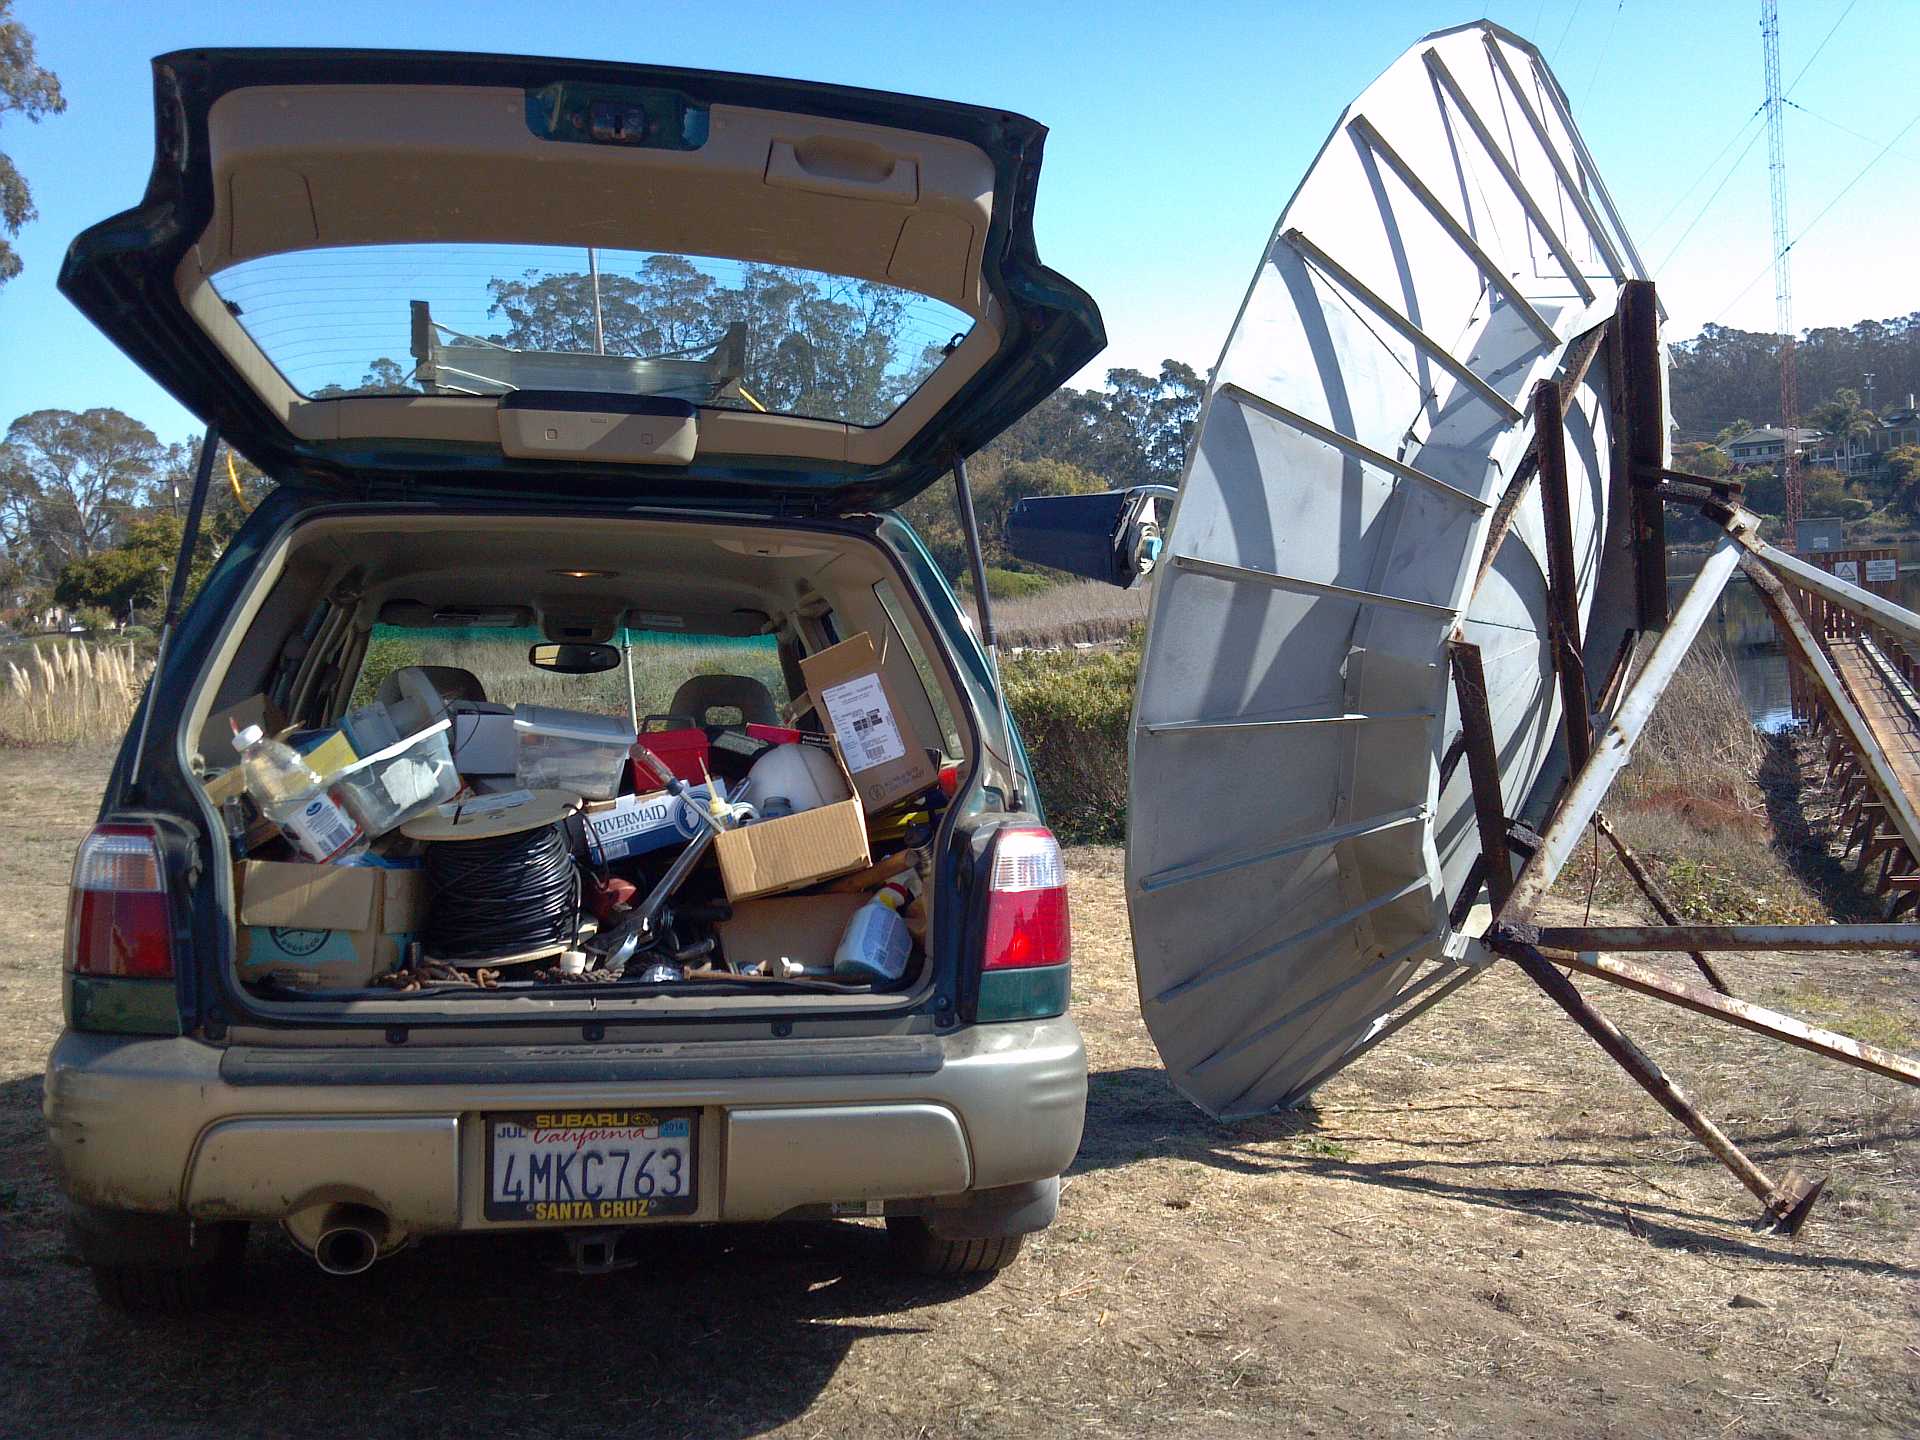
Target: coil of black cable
{"points": [[508, 895]]}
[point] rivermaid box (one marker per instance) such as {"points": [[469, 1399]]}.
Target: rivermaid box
{"points": [[635, 824], [325, 927], [887, 760]]}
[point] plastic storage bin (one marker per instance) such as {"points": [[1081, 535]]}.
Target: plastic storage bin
{"points": [[683, 749], [571, 750], [393, 785]]}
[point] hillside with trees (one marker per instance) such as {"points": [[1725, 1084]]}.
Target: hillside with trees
{"points": [[1722, 377], [89, 500]]}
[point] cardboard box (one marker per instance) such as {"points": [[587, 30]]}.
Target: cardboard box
{"points": [[325, 927], [769, 856], [635, 824], [860, 708], [803, 928]]}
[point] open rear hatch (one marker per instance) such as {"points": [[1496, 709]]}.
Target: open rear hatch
{"points": [[392, 271]]}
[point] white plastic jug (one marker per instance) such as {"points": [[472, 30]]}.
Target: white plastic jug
{"points": [[803, 775], [876, 944]]}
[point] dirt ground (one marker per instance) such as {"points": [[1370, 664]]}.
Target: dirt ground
{"points": [[1482, 1229]]}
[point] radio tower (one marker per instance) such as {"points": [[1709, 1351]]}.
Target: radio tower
{"points": [[1782, 267]]}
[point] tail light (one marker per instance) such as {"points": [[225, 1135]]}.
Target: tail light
{"points": [[117, 915], [1027, 902]]}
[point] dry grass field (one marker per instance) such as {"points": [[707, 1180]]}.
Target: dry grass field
{"points": [[1483, 1229]]}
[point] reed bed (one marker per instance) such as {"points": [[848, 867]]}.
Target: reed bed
{"points": [[661, 664], [70, 693], [1699, 753], [1079, 612]]}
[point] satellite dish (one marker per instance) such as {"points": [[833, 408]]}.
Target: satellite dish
{"points": [[1301, 828]]}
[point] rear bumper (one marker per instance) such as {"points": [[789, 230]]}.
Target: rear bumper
{"points": [[164, 1126]]}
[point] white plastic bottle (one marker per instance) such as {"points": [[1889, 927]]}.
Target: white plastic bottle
{"points": [[876, 944], [290, 794]]}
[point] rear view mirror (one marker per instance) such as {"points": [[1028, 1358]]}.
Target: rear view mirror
{"points": [[573, 659], [1113, 536]]}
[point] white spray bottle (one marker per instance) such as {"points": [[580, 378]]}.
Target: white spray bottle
{"points": [[876, 945]]}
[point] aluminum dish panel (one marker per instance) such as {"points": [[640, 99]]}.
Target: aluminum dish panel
{"points": [[1291, 852]]}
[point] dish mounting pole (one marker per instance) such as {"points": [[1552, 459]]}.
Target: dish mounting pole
{"points": [[1596, 759]]}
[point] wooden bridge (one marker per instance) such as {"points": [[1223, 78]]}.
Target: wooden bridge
{"points": [[1878, 782]]}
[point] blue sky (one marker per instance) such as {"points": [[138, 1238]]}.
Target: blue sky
{"points": [[1178, 133]]}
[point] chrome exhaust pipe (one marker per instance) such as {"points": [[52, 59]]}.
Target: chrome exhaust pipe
{"points": [[351, 1238]]}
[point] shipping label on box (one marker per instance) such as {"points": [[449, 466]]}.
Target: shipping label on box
{"points": [[887, 758], [635, 824]]}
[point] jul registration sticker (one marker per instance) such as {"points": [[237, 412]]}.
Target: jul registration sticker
{"points": [[576, 1167]]}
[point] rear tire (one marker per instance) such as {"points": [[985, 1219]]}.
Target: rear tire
{"points": [[198, 1264], [157, 1290], [920, 1250]]}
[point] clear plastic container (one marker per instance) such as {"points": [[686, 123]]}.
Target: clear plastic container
{"points": [[390, 787], [571, 750], [290, 794]]}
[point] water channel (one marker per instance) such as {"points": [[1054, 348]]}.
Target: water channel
{"points": [[1745, 631]]}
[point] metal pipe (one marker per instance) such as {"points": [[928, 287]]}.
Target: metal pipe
{"points": [[983, 607], [1483, 768], [1563, 576], [176, 597], [1649, 938], [1615, 745], [351, 1238], [976, 561], [599, 329], [1747, 1016], [1574, 374], [1786, 1205], [1656, 897], [1794, 630]]}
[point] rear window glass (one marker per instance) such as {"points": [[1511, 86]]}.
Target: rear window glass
{"points": [[922, 668], [657, 664], [490, 319]]}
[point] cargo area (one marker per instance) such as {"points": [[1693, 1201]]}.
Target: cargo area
{"points": [[532, 761]]}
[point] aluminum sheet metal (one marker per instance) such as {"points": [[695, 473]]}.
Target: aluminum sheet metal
{"points": [[1292, 853]]}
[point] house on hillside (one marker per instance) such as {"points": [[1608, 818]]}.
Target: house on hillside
{"points": [[1896, 428], [1767, 446], [1852, 456]]}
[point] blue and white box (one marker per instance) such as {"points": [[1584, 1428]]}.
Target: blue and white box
{"points": [[636, 824]]}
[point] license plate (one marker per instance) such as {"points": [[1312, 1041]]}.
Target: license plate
{"points": [[577, 1167]]}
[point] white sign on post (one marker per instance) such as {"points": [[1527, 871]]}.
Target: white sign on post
{"points": [[1847, 570], [1882, 572]]}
